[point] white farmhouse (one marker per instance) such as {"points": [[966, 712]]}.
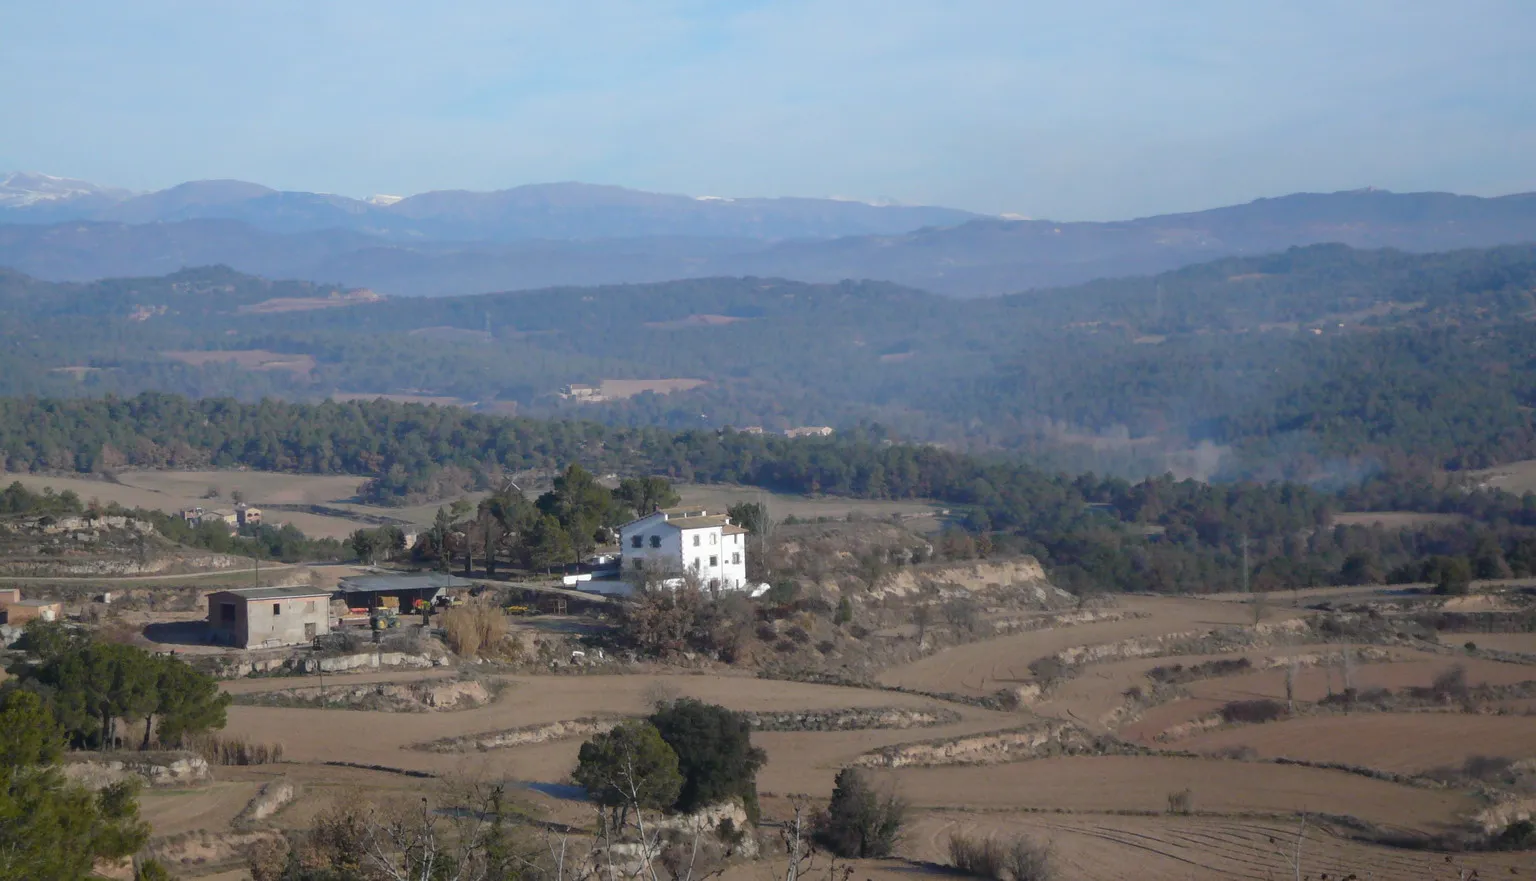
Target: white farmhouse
{"points": [[686, 541]]}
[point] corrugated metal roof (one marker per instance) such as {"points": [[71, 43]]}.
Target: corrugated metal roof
{"points": [[275, 593], [412, 581]]}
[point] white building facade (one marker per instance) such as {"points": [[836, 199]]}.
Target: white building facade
{"points": [[686, 542]]}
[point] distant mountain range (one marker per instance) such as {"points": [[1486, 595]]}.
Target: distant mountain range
{"points": [[537, 211], [457, 242]]}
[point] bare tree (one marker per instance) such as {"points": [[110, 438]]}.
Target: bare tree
{"points": [[1290, 684], [1295, 857]]}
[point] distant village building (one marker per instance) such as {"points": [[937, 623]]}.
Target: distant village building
{"points": [[580, 391], [268, 617], [810, 431], [193, 516], [247, 515], [19, 612], [686, 541], [223, 515]]}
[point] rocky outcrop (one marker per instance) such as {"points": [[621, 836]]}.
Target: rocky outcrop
{"points": [[297, 663], [408, 697], [853, 719], [1033, 742], [977, 577], [273, 797], [523, 736], [161, 770]]}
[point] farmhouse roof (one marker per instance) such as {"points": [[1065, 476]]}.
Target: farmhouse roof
{"points": [[276, 593], [733, 529], [698, 522], [411, 581]]}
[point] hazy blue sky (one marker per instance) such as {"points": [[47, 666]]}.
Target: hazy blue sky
{"points": [[1072, 110]]}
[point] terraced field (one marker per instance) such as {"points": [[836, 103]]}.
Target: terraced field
{"points": [[1104, 815]]}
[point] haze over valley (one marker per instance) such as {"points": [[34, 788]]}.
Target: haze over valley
{"points": [[603, 441]]}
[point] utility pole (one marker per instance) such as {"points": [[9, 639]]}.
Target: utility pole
{"points": [[1245, 563]]}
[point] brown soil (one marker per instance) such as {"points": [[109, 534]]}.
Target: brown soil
{"points": [[1107, 783], [614, 389], [982, 668], [1402, 742], [250, 359], [1196, 848]]}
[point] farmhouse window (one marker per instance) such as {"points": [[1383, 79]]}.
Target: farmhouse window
{"points": [[226, 611], [637, 541], [639, 564], [277, 608], [655, 541], [695, 541], [714, 561], [712, 538], [736, 559]]}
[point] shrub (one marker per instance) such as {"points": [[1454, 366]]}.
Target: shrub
{"points": [[229, 751], [1179, 673], [1016, 859], [860, 822], [1519, 835], [1181, 802], [474, 630], [1048, 669], [1028, 860], [1450, 685], [981, 857], [1253, 712]]}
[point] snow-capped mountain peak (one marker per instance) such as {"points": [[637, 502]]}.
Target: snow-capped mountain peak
{"points": [[20, 189]]}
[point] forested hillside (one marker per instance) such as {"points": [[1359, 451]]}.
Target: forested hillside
{"points": [[1159, 534], [1310, 364]]}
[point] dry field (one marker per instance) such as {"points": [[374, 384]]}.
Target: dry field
{"points": [[1394, 519], [336, 299], [697, 320], [1315, 683], [781, 505], [1197, 848], [982, 668], [250, 359], [1142, 783], [1104, 816], [1518, 643], [171, 491], [1516, 477], [1403, 742], [616, 389]]}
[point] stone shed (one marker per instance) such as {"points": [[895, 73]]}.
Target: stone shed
{"points": [[267, 617]]}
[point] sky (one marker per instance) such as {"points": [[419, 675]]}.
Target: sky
{"points": [[1089, 110]]}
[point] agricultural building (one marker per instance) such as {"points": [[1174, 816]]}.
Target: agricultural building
{"points": [[267, 617], [19, 611], [247, 515], [686, 542], [403, 593]]}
